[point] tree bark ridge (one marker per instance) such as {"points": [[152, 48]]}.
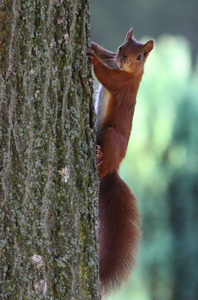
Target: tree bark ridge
{"points": [[48, 187]]}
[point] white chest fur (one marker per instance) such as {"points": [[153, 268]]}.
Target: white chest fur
{"points": [[101, 105]]}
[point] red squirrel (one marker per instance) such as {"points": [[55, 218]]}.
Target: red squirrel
{"points": [[120, 75]]}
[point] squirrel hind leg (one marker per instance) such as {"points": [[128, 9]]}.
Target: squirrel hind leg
{"points": [[99, 155]]}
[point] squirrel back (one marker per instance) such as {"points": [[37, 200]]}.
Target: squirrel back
{"points": [[120, 75]]}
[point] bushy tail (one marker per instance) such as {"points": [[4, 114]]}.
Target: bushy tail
{"points": [[118, 232]]}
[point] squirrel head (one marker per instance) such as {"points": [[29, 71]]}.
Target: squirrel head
{"points": [[132, 55]]}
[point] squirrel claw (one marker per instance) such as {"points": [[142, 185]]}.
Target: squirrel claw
{"points": [[90, 52], [98, 164], [92, 56]]}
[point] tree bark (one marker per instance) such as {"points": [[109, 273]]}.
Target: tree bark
{"points": [[48, 188]]}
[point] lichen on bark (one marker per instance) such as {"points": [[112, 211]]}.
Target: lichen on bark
{"points": [[48, 188]]}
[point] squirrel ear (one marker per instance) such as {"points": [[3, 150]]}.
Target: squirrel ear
{"points": [[148, 47], [129, 35]]}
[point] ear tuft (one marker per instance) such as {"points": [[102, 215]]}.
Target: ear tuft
{"points": [[129, 35], [148, 47]]}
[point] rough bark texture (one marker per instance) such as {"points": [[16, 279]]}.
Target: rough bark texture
{"points": [[48, 188]]}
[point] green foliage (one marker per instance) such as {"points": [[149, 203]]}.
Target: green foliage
{"points": [[161, 169]]}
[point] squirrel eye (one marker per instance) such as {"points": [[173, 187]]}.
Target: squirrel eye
{"points": [[120, 48], [139, 57]]}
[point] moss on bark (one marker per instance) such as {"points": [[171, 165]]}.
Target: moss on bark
{"points": [[48, 188]]}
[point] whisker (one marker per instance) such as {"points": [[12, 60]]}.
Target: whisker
{"points": [[111, 59], [103, 53]]}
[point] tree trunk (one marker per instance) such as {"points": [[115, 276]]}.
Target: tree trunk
{"points": [[48, 189]]}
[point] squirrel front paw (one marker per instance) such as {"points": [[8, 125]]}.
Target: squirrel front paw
{"points": [[92, 56]]}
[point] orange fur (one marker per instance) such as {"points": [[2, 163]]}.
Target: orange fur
{"points": [[120, 74], [118, 232]]}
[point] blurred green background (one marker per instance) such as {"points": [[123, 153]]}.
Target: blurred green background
{"points": [[161, 165]]}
